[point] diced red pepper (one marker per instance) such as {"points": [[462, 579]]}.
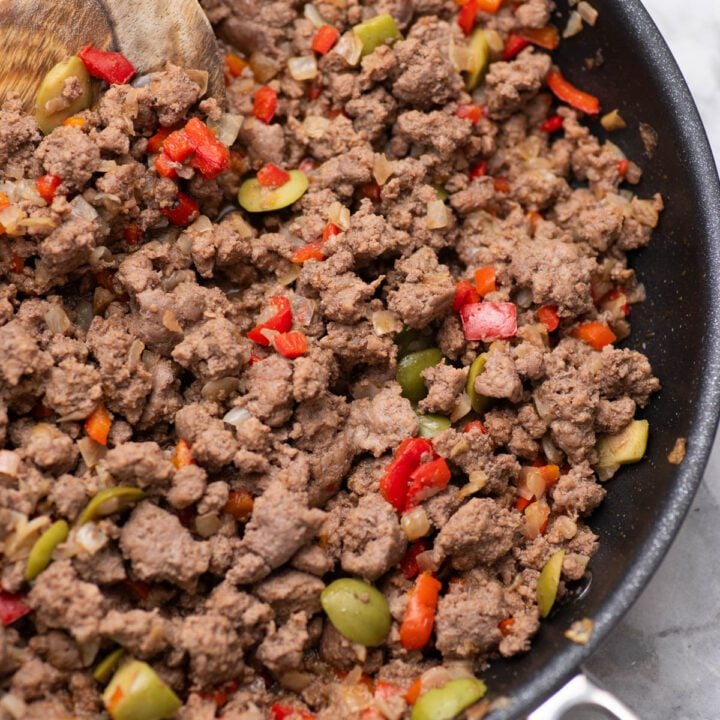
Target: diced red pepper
{"points": [[234, 65], [505, 626], [408, 456], [291, 344], [4, 201], [178, 146], [271, 176], [489, 6], [104, 279], [254, 359], [473, 113], [385, 690], [282, 712], [221, 695], [239, 504], [548, 316], [98, 423], [546, 37], [409, 565], [479, 170], [467, 15], [513, 45], [47, 186], [616, 301], [522, 502], [185, 211], [281, 321], [307, 165], [112, 67], [164, 166], [132, 234], [414, 691], [311, 251], [623, 167], [501, 184], [155, 143], [475, 424], [74, 121], [488, 321], [428, 480], [465, 293], [552, 124], [568, 93], [419, 617], [210, 156], [182, 457], [17, 262], [550, 474], [313, 90], [485, 280], [265, 104], [12, 607], [371, 191], [325, 37], [595, 334], [331, 229], [534, 217]]}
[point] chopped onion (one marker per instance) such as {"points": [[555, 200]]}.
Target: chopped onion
{"points": [[645, 212], [536, 515], [385, 322], [382, 168], [227, 128], [92, 452], [533, 479], [312, 14], [415, 523], [178, 277], [237, 416], [574, 25], [170, 321], [219, 389], [90, 538], [9, 464], [82, 209], [550, 451], [613, 121], [349, 47], [303, 310], [478, 480], [10, 217], [208, 524], [303, 67], [463, 405], [543, 409], [566, 527], [315, 126], [288, 274], [494, 41], [137, 347], [38, 223], [18, 544], [101, 299], [524, 298], [339, 215], [460, 56], [587, 12], [437, 215], [200, 78], [89, 651], [580, 631], [57, 320], [106, 166], [14, 705], [100, 254], [263, 67]]}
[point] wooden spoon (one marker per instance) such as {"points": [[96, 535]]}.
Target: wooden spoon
{"points": [[37, 34]]}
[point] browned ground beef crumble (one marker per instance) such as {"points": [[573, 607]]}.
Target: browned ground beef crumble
{"points": [[157, 330]]}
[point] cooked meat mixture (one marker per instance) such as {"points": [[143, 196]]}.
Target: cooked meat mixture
{"points": [[305, 397]]}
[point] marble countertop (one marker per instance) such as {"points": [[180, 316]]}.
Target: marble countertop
{"points": [[664, 658]]}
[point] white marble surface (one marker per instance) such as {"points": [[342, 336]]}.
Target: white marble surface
{"points": [[664, 659]]}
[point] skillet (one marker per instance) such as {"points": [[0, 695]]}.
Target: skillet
{"points": [[678, 327]]}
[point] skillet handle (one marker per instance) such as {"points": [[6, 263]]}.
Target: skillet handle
{"points": [[581, 691]]}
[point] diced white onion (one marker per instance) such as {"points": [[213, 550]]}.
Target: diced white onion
{"points": [[237, 416], [415, 523], [9, 464], [287, 274], [574, 25], [294, 679], [566, 526], [38, 223], [524, 298], [550, 451], [315, 126], [339, 215], [426, 561], [385, 322], [100, 254], [536, 515], [613, 121], [18, 544], [92, 452], [90, 538], [543, 409], [14, 705], [227, 127], [10, 217], [137, 347], [208, 524], [57, 320], [349, 47], [200, 78], [303, 67], [534, 481], [478, 480], [312, 14], [460, 56], [494, 41], [463, 405], [382, 168], [437, 215], [587, 12], [263, 67], [170, 322], [82, 209], [89, 651], [106, 166], [219, 389]]}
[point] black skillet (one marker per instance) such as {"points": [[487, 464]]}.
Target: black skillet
{"points": [[678, 327]]}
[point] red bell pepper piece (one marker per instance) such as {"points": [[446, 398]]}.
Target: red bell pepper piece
{"points": [[12, 607], [234, 65], [325, 37], [98, 424], [47, 186], [271, 176], [331, 229], [548, 316], [489, 6], [488, 321], [546, 37], [182, 457], [164, 166], [501, 184], [479, 170], [291, 344], [185, 211], [428, 480], [467, 15], [595, 334], [133, 234], [505, 626], [475, 424], [265, 104], [616, 301], [623, 167], [485, 280], [465, 293], [112, 67], [568, 93], [155, 143], [473, 113], [409, 565], [211, 156], [311, 251], [419, 617], [371, 191], [513, 45], [283, 712], [408, 456], [552, 124], [178, 146], [281, 321]]}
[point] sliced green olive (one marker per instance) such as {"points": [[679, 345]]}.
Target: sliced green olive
{"points": [[376, 31], [548, 582], [410, 341], [41, 553], [110, 501], [409, 369], [479, 402], [137, 693], [448, 701], [441, 192], [108, 665], [431, 425], [255, 198], [480, 54], [624, 448], [357, 610], [51, 109]]}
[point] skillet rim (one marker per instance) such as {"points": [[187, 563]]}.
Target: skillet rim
{"points": [[696, 148]]}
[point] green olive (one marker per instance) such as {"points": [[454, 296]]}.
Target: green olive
{"points": [[357, 610], [410, 341], [255, 198], [624, 448], [137, 693], [109, 501], [548, 582], [479, 402], [50, 108], [440, 192], [431, 425], [41, 553], [448, 701], [106, 667], [376, 31], [409, 369], [480, 54]]}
